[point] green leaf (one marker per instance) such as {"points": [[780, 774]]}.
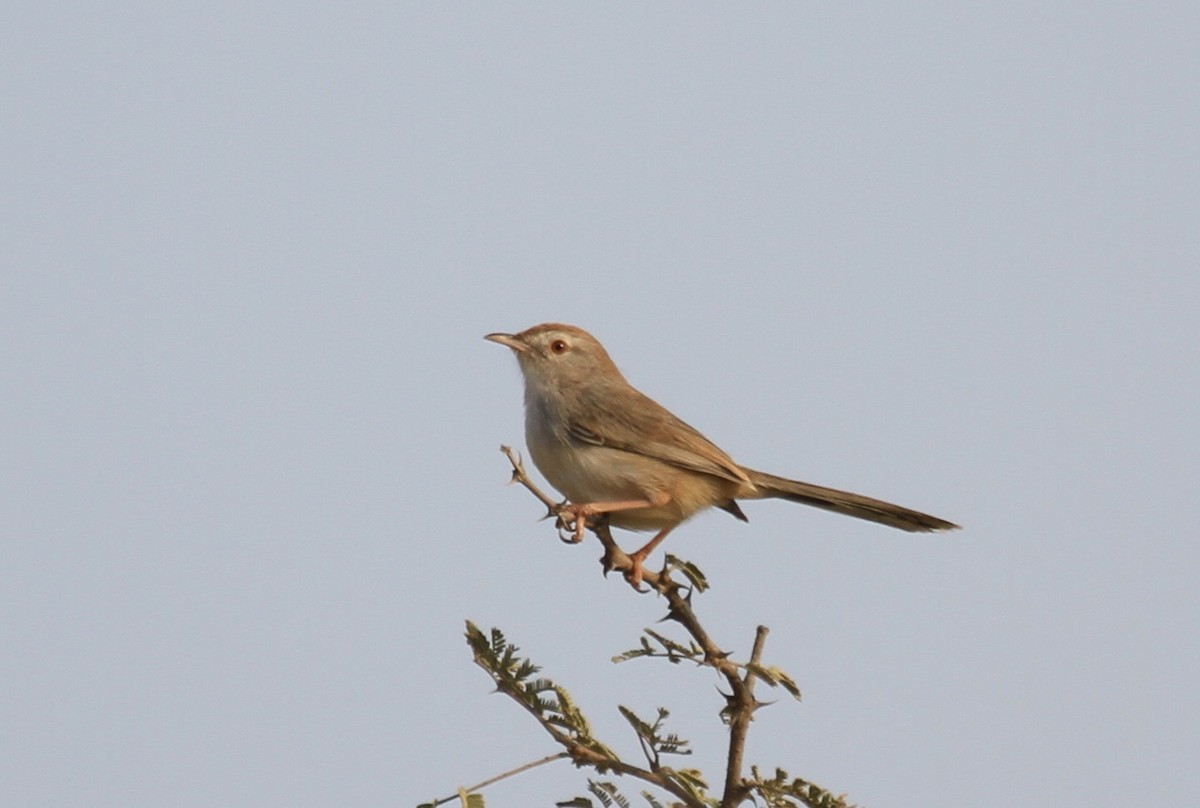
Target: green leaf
{"points": [[690, 571], [776, 677], [674, 651], [782, 789], [690, 780], [607, 793], [639, 726], [645, 650]]}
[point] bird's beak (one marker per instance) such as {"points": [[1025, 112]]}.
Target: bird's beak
{"points": [[510, 340]]}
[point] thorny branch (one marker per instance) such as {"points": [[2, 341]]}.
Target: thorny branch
{"points": [[614, 558], [741, 703], [741, 711]]}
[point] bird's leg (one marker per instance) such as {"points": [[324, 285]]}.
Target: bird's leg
{"points": [[579, 513], [634, 574]]}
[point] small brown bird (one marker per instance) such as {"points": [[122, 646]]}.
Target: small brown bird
{"points": [[612, 450]]}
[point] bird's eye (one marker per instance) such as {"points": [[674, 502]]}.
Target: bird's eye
{"points": [[559, 346]]}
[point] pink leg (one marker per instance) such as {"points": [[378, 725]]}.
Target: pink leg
{"points": [[582, 512], [634, 575]]}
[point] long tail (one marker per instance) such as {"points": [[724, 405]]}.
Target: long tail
{"points": [[856, 505]]}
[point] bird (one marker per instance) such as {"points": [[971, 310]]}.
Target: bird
{"points": [[612, 450]]}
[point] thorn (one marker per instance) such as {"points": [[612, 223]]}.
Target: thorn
{"points": [[639, 589]]}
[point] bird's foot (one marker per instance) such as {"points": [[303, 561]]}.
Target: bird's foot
{"points": [[572, 521], [633, 575]]}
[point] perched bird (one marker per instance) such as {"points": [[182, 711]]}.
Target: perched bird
{"points": [[613, 450]]}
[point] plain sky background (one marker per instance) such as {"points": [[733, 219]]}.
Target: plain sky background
{"points": [[946, 254]]}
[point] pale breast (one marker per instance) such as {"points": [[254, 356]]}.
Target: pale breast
{"points": [[587, 473], [584, 472]]}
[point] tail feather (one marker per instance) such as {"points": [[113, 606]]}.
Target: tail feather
{"points": [[855, 505]]}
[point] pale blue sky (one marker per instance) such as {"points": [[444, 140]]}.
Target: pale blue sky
{"points": [[946, 255]]}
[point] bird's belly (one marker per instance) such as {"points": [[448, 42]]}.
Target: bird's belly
{"points": [[593, 473], [586, 473]]}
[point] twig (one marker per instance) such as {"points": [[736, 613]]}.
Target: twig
{"points": [[742, 707], [481, 786], [740, 701], [614, 557], [583, 755], [519, 476]]}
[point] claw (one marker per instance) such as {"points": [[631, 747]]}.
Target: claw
{"points": [[570, 520], [633, 575], [573, 527]]}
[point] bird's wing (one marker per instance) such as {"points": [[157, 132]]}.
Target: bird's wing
{"points": [[661, 436]]}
